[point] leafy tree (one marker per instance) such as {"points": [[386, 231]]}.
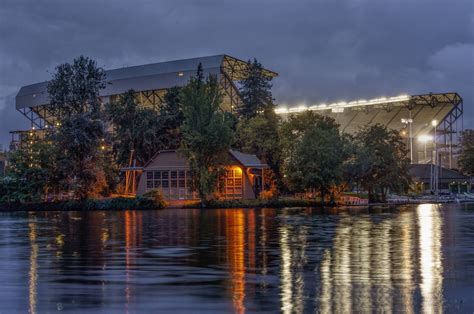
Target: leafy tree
{"points": [[30, 174], [466, 157], [255, 91], [75, 88], [80, 139], [207, 132], [80, 153], [380, 163], [259, 135], [134, 128], [314, 153]]}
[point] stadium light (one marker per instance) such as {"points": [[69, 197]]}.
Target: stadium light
{"points": [[343, 104]]}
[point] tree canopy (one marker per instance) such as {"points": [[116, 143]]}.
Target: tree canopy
{"points": [[134, 128], [75, 87], [466, 156], [255, 91], [207, 132], [314, 153], [380, 162]]}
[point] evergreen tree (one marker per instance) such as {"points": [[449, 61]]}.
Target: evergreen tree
{"points": [[207, 132], [171, 117], [255, 91]]}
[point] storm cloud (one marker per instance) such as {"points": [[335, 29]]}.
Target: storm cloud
{"points": [[324, 50]]}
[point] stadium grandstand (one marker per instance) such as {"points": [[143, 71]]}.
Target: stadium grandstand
{"points": [[429, 123], [150, 82]]}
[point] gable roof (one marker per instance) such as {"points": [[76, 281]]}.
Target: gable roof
{"points": [[423, 171], [247, 160]]}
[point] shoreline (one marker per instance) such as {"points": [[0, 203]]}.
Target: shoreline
{"points": [[121, 204]]}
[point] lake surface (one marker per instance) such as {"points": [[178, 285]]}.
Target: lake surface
{"points": [[406, 259]]}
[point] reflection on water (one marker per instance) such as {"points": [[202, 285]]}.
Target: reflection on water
{"points": [[238, 260]]}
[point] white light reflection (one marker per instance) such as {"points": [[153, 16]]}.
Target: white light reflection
{"points": [[286, 274], [431, 268]]}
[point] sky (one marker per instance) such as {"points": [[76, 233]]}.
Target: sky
{"points": [[324, 50]]}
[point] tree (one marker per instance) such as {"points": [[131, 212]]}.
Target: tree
{"points": [[380, 163], [171, 117], [259, 135], [135, 128], [207, 132], [79, 139], [314, 154], [80, 153], [30, 174], [255, 91], [466, 156], [75, 88]]}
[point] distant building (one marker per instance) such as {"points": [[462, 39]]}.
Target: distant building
{"points": [[150, 82], [169, 172], [422, 121], [450, 181]]}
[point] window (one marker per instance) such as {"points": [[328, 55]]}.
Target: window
{"points": [[231, 185]]}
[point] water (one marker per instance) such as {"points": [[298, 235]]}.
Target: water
{"points": [[408, 259]]}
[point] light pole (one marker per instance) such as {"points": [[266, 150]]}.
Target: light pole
{"points": [[434, 123], [408, 122]]}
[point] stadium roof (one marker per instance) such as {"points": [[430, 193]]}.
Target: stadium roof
{"points": [[422, 109], [155, 76]]}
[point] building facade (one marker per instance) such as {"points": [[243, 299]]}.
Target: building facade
{"points": [[169, 173]]}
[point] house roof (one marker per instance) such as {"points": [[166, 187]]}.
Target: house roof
{"points": [[423, 172], [247, 160]]}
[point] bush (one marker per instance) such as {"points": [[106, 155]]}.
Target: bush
{"points": [[157, 197]]}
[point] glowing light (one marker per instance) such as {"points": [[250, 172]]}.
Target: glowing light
{"points": [[425, 138], [343, 104], [180, 74], [434, 122]]}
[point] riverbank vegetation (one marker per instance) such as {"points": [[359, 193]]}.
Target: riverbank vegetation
{"points": [[80, 156]]}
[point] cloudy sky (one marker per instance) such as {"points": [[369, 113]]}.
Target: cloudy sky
{"points": [[324, 50]]}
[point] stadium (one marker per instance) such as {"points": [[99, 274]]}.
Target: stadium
{"points": [[429, 122]]}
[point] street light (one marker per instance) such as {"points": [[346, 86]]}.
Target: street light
{"points": [[434, 162], [408, 122]]}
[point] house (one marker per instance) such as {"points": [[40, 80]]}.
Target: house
{"points": [[450, 181], [169, 172]]}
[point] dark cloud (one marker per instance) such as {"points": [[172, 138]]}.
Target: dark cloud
{"points": [[324, 50]]}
